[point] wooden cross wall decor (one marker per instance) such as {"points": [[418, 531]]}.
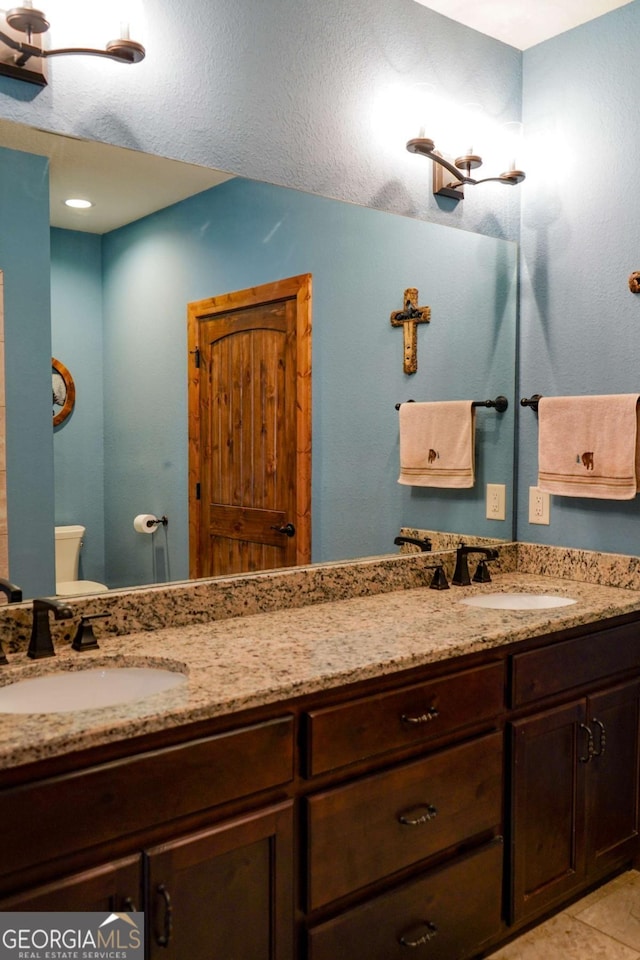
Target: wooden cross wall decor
{"points": [[408, 320]]}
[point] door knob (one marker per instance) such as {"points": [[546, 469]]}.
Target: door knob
{"points": [[289, 530]]}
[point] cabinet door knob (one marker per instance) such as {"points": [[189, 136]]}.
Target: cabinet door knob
{"points": [[129, 905], [413, 818], [590, 750], [414, 938], [602, 743], [426, 717], [167, 927]]}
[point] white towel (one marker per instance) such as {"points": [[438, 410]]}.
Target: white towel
{"points": [[588, 446], [437, 444]]}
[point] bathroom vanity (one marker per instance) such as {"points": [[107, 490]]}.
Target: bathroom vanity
{"points": [[358, 778]]}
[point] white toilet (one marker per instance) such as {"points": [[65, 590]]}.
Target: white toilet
{"points": [[68, 546]]}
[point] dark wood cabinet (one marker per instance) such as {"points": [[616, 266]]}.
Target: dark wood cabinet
{"points": [[548, 811], [612, 776], [362, 821], [222, 889], [448, 914], [114, 886], [224, 892], [426, 831], [130, 795], [416, 714], [375, 826], [574, 796]]}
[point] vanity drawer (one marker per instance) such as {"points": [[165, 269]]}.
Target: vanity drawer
{"points": [[363, 728], [72, 812], [570, 664], [377, 825], [446, 914]]}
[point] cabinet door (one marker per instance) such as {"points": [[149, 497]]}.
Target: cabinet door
{"points": [[549, 761], [112, 886], [224, 893], [612, 778]]}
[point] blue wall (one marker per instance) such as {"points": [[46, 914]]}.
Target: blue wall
{"points": [[313, 96], [290, 92], [580, 325], [76, 321], [24, 216], [317, 96], [245, 233]]}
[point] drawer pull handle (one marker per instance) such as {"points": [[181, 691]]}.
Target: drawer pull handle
{"points": [[590, 750], [602, 744], [416, 821], [163, 939], [129, 905], [420, 939], [427, 717]]}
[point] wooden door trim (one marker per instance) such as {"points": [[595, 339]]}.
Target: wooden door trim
{"points": [[300, 289]]}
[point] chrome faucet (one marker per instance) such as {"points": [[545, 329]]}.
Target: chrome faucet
{"points": [[41, 644], [424, 544], [461, 576]]}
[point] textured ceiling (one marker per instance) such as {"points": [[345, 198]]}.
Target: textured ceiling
{"points": [[523, 23]]}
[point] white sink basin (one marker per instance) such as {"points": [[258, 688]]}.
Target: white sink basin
{"points": [[517, 601], [87, 689]]}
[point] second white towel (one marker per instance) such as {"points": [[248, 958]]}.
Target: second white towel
{"points": [[589, 446]]}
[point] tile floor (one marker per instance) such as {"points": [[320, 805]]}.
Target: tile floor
{"points": [[602, 926]]}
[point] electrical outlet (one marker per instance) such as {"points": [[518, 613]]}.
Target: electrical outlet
{"points": [[539, 508], [496, 501]]}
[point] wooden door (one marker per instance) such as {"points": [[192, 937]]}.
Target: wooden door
{"points": [[250, 429], [225, 892], [549, 760], [612, 787]]}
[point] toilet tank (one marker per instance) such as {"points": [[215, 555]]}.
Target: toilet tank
{"points": [[68, 544]]}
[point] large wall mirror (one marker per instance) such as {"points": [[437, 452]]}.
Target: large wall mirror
{"points": [[119, 293]]}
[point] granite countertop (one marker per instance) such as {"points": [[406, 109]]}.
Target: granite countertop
{"points": [[252, 661]]}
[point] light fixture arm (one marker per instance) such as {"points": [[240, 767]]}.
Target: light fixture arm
{"points": [[426, 148], [27, 50], [124, 51], [16, 53]]}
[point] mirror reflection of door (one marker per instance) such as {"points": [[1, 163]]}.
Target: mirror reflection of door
{"points": [[250, 429]]}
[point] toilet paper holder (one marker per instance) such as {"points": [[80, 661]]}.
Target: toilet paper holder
{"points": [[148, 522]]}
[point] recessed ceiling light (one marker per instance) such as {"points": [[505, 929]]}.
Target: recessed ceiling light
{"points": [[78, 204]]}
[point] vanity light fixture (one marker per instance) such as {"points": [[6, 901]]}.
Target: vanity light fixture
{"points": [[22, 54], [460, 170]]}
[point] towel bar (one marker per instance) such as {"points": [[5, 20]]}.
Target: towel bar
{"points": [[500, 403], [531, 401]]}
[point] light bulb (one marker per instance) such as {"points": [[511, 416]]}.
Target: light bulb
{"points": [[77, 203]]}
